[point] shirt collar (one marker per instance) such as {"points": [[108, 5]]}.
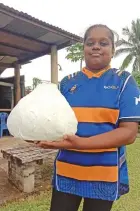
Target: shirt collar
{"points": [[91, 74]]}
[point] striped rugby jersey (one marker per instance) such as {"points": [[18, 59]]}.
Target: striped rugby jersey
{"points": [[100, 101]]}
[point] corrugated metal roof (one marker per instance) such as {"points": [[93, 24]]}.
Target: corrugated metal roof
{"points": [[40, 22]]}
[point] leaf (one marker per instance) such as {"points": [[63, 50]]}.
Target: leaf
{"points": [[124, 43], [126, 31], [135, 65], [75, 52], [127, 61], [122, 51], [36, 82], [116, 36], [136, 75]]}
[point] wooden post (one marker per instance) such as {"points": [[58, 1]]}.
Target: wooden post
{"points": [[54, 65], [17, 84], [12, 101]]}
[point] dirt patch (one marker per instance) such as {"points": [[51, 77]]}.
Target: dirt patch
{"points": [[9, 192]]}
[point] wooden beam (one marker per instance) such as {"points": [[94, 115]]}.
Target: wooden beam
{"points": [[5, 109], [18, 47], [54, 65], [6, 65], [24, 40], [12, 65], [17, 93], [65, 44], [14, 52], [46, 52], [25, 59], [6, 84]]}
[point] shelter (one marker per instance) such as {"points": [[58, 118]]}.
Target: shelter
{"points": [[24, 38]]}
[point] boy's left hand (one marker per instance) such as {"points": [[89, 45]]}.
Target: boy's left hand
{"points": [[68, 142]]}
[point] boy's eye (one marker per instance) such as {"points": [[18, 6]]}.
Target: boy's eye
{"points": [[90, 44], [103, 43]]}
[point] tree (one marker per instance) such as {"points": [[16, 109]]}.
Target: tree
{"points": [[130, 46], [136, 75], [36, 82], [75, 53], [28, 89]]}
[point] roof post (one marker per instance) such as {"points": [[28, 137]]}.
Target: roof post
{"points": [[54, 65], [17, 90]]}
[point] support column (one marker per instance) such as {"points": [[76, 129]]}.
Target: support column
{"points": [[17, 84], [12, 101], [54, 65]]}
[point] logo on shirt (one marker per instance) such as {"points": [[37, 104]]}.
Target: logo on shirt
{"points": [[73, 88], [111, 87], [137, 100]]}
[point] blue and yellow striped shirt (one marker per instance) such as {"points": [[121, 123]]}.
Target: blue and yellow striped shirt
{"points": [[100, 101]]}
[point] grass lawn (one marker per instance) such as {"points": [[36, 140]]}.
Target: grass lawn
{"points": [[130, 202]]}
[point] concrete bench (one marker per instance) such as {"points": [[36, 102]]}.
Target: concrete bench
{"points": [[24, 166]]}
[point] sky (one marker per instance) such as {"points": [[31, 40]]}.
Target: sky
{"points": [[74, 16]]}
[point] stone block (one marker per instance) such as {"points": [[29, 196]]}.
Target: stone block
{"points": [[28, 171], [28, 184]]}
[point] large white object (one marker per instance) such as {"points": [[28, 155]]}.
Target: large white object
{"points": [[44, 114]]}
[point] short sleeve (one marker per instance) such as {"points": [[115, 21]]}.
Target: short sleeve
{"points": [[62, 85], [130, 101]]}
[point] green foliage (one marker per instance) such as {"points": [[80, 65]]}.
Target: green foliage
{"points": [[136, 75], [28, 89], [130, 46], [75, 53], [36, 82]]}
